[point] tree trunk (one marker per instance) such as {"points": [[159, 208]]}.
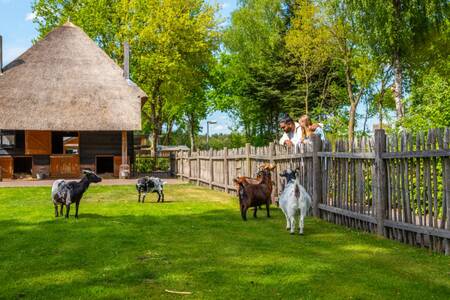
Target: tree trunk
{"points": [[351, 124], [396, 62], [192, 132], [366, 117], [398, 86], [169, 132], [306, 93], [353, 105]]}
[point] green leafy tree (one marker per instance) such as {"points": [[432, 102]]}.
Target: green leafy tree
{"points": [[172, 45], [308, 46], [395, 31]]}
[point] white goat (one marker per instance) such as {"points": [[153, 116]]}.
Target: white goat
{"points": [[293, 198]]}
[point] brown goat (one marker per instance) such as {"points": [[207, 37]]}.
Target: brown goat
{"points": [[254, 195], [248, 180]]}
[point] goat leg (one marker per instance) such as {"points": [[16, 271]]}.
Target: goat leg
{"points": [[292, 223], [162, 196], [244, 213], [61, 210], [301, 222], [143, 197], [77, 204], [254, 212], [56, 210], [268, 209], [288, 223], [67, 210], [139, 196], [159, 196]]}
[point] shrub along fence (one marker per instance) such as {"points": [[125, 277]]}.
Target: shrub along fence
{"points": [[397, 186]]}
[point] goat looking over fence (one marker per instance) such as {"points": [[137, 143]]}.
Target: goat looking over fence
{"points": [[294, 198], [66, 193]]}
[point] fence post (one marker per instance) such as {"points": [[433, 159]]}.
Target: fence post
{"points": [[198, 167], [249, 162], [446, 180], [272, 161], [225, 169], [189, 154], [381, 180], [173, 162], [317, 175], [211, 169], [180, 162]]}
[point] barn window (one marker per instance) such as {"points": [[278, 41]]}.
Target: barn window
{"points": [[7, 139], [65, 143]]}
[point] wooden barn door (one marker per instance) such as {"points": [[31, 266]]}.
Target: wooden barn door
{"points": [[7, 166], [64, 166], [38, 142]]}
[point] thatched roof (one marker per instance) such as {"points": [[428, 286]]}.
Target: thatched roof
{"points": [[66, 82]]}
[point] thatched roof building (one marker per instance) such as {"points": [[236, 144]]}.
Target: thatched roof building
{"points": [[66, 82], [66, 106]]}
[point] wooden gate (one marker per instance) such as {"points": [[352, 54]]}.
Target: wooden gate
{"points": [[6, 166], [64, 165]]}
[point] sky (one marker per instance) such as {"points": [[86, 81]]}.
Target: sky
{"points": [[18, 31]]}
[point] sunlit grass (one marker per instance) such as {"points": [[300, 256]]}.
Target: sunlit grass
{"points": [[196, 242]]}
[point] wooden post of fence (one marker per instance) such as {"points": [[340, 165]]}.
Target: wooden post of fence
{"points": [[180, 168], [317, 175], [189, 154], [225, 169], [248, 160], [272, 161], [211, 169], [198, 167], [381, 185], [173, 164], [446, 180]]}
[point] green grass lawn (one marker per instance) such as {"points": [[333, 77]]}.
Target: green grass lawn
{"points": [[196, 242]]}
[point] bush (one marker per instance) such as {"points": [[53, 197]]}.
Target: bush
{"points": [[147, 164]]}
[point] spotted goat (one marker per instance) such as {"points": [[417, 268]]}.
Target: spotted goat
{"points": [[148, 184]]}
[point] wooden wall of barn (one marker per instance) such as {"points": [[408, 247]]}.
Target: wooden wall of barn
{"points": [[102, 143], [91, 145]]}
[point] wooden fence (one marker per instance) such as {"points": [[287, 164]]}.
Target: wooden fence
{"points": [[397, 186]]}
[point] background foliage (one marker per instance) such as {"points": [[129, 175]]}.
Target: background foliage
{"points": [[342, 62]]}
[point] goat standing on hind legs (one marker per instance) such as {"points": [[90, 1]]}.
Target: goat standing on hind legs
{"points": [[65, 193], [254, 195]]}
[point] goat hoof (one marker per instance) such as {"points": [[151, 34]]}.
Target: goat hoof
{"points": [[292, 233], [300, 233]]}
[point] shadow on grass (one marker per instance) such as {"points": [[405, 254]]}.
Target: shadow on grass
{"points": [[214, 254]]}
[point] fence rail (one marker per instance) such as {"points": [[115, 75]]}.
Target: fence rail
{"points": [[397, 186]]}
